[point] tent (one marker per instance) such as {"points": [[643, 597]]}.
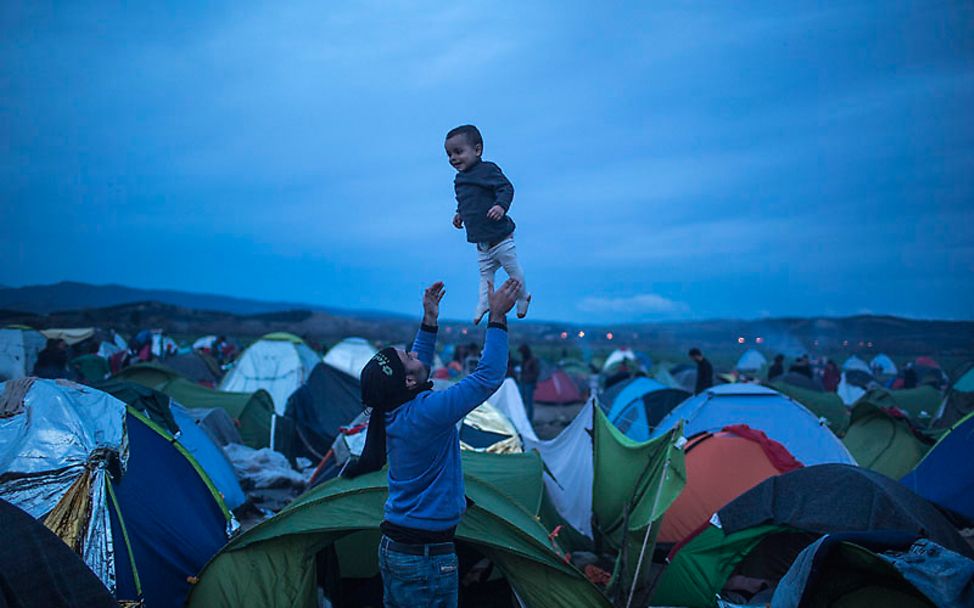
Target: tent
{"points": [[196, 366], [751, 361], [883, 364], [253, 412], [720, 467], [759, 407], [882, 440], [71, 336], [635, 406], [919, 405], [683, 376], [822, 404], [854, 363], [959, 401], [38, 569], [852, 386], [350, 356], [618, 357], [558, 388], [334, 528], [759, 534], [945, 475], [800, 381], [19, 347], [867, 570], [278, 363], [328, 400], [113, 484]]}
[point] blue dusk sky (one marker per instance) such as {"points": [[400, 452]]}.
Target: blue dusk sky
{"points": [[670, 161]]}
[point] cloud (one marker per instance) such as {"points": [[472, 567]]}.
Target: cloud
{"points": [[641, 304]]}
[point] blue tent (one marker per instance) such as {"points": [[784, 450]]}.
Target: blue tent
{"points": [[638, 405], [172, 520], [946, 474], [210, 456], [782, 419]]}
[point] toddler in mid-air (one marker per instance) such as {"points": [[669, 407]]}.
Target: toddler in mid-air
{"points": [[484, 196]]}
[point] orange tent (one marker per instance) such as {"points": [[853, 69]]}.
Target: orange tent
{"points": [[720, 467]]}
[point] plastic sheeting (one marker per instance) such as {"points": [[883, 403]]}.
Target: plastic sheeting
{"points": [[18, 352], [568, 457], [64, 432]]}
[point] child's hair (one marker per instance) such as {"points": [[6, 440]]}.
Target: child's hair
{"points": [[471, 132]]}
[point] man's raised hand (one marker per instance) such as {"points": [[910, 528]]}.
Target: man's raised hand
{"points": [[431, 302], [502, 300]]}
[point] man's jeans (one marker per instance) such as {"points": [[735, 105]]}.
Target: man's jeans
{"points": [[418, 581], [502, 255]]}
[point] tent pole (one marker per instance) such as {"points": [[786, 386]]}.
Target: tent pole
{"points": [[649, 528], [273, 428]]}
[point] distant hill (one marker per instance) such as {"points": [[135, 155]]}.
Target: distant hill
{"points": [[70, 295]]}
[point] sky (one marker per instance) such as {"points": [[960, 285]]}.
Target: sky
{"points": [[669, 161]]}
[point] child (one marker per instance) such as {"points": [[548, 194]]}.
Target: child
{"points": [[484, 196]]}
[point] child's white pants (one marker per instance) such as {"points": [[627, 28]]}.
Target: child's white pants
{"points": [[502, 255]]}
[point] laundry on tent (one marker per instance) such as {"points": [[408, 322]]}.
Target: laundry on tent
{"points": [[784, 420], [278, 363]]}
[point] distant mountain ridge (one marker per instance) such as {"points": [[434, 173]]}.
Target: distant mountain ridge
{"points": [[72, 295]]}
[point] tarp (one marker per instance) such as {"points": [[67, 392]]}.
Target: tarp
{"points": [[274, 564], [38, 569], [196, 366], [751, 361], [782, 419], [64, 436], [350, 356], [945, 476], [847, 391], [18, 352], [253, 411], [882, 441], [72, 335], [822, 404], [277, 363]]}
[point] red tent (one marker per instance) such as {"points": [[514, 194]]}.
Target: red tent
{"points": [[557, 388]]}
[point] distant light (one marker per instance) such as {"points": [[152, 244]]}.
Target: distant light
{"points": [[845, 343], [869, 344], [740, 340], [816, 342], [463, 331], [449, 330], [564, 335], [608, 336], [861, 343], [759, 340], [581, 334]]}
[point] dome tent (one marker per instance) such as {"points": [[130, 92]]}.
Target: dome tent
{"points": [[350, 356], [782, 419], [278, 363], [945, 475], [751, 361], [884, 365], [636, 406], [557, 387], [854, 363]]}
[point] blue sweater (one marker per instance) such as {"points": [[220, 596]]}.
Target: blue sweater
{"points": [[478, 189], [423, 440]]}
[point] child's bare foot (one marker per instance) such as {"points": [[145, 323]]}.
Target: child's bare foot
{"points": [[522, 307]]}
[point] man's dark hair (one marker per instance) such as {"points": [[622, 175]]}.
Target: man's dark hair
{"points": [[695, 352], [471, 132]]}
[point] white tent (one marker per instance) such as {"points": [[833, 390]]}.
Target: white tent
{"points": [[884, 364], [18, 352], [204, 342], [71, 335], [848, 392], [618, 356], [751, 361], [278, 363], [350, 355], [857, 364]]}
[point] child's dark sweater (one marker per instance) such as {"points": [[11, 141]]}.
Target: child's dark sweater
{"points": [[478, 189]]}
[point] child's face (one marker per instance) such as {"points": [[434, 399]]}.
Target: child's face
{"points": [[461, 153]]}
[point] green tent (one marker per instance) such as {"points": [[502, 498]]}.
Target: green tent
{"points": [[252, 411], [335, 528], [882, 442], [633, 485], [822, 404], [919, 404]]}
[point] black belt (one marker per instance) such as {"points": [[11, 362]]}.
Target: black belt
{"points": [[430, 549]]}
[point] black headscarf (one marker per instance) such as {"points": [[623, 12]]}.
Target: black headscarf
{"points": [[383, 381]]}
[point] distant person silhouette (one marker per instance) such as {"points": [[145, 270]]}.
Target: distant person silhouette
{"points": [[705, 371], [777, 367]]}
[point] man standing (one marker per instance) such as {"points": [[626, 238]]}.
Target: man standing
{"points": [[417, 428], [777, 368], [530, 370], [705, 371]]}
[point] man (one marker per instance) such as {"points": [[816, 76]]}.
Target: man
{"points": [[417, 428], [530, 371], [777, 368], [705, 371]]}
